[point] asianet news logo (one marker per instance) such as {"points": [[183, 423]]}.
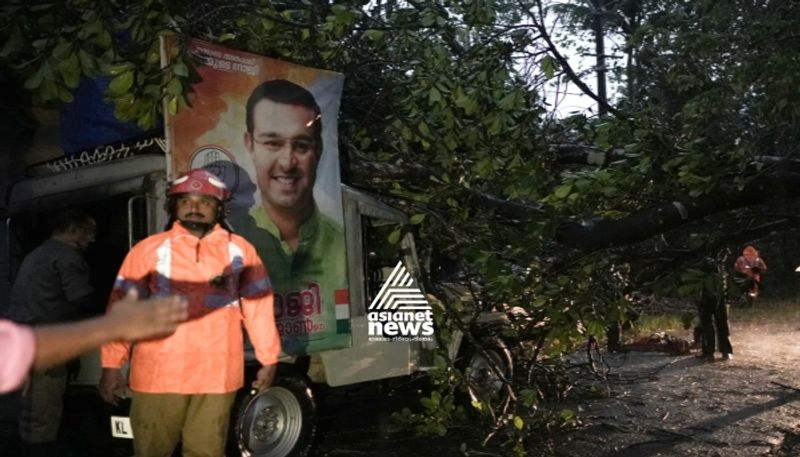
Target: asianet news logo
{"points": [[400, 311]]}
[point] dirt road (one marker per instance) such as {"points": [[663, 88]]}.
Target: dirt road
{"points": [[681, 406], [659, 406]]}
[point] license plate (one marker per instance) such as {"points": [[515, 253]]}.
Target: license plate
{"points": [[121, 427]]}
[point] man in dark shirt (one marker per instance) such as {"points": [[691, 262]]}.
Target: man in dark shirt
{"points": [[52, 286]]}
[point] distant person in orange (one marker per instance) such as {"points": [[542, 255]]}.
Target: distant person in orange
{"points": [[184, 385], [749, 267]]}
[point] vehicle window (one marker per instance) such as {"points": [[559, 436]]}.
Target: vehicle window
{"points": [[380, 256]]}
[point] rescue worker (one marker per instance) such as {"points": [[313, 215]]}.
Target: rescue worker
{"points": [[749, 267], [184, 385]]}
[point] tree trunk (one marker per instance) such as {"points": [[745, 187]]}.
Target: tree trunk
{"points": [[641, 225]]}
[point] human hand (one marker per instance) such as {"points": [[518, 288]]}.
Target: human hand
{"points": [[265, 377], [133, 319], [111, 385]]}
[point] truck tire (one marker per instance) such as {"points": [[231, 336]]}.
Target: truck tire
{"points": [[279, 422], [483, 383]]}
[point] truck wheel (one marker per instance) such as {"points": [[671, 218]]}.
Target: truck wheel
{"points": [[483, 383], [279, 422]]}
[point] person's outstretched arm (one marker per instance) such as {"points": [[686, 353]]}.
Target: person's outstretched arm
{"points": [[128, 320]]}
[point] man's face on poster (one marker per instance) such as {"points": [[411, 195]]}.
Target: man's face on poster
{"points": [[285, 154]]}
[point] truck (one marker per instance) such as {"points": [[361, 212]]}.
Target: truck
{"points": [[124, 188]]}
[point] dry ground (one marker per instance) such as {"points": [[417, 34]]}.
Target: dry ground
{"points": [[657, 406], [681, 406]]}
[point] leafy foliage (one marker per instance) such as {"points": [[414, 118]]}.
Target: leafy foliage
{"points": [[443, 113]]}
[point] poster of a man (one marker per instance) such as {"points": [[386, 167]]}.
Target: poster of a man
{"points": [[275, 122], [305, 248], [284, 140]]}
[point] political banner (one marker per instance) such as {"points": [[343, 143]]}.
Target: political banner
{"points": [[268, 129]]}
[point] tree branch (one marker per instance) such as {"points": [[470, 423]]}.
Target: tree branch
{"points": [[639, 226], [565, 66]]}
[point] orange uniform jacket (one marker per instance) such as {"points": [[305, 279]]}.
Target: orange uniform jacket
{"points": [[215, 273], [749, 264]]}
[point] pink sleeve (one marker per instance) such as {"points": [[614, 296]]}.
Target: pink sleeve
{"points": [[17, 349]]}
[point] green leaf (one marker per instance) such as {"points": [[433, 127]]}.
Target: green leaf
{"points": [[64, 95], [179, 68], [496, 124], [48, 90], [548, 64], [434, 95], [467, 103], [118, 68], [121, 84], [423, 128], [518, 423], [528, 397], [394, 237], [72, 77], [418, 218], [338, 9], [428, 19], [562, 191], [70, 70], [374, 35], [174, 87], [88, 65], [62, 49], [439, 362], [507, 102], [104, 39], [147, 120], [154, 57], [172, 105], [35, 80]]}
